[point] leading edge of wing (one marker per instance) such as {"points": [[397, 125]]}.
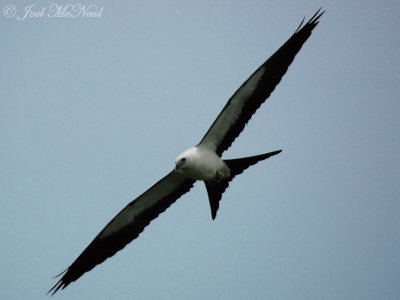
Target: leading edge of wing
{"points": [[255, 91], [126, 226]]}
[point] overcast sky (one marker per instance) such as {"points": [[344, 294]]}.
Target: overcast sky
{"points": [[94, 110]]}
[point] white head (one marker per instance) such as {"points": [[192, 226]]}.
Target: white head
{"points": [[185, 160], [199, 163]]}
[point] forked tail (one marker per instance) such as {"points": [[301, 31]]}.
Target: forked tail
{"points": [[215, 189]]}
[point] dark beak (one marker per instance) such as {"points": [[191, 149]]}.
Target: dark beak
{"points": [[179, 165]]}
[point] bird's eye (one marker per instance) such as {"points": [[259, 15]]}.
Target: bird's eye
{"points": [[183, 159]]}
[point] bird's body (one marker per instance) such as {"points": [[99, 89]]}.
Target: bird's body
{"points": [[201, 163]]}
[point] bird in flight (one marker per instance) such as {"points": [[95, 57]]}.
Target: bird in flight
{"points": [[200, 163]]}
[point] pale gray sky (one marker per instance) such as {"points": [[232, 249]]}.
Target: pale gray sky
{"points": [[93, 111]]}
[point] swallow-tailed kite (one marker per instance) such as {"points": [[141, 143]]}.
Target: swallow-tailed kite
{"points": [[202, 162]]}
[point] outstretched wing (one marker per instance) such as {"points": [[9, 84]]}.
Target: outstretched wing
{"points": [[127, 225], [255, 90]]}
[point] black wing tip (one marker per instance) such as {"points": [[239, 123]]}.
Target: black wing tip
{"points": [[61, 284], [314, 20]]}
